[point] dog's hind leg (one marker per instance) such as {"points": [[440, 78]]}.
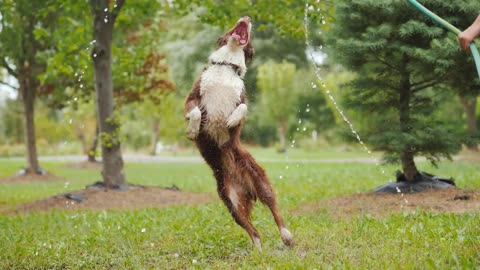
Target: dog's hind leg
{"points": [[240, 207], [267, 196]]}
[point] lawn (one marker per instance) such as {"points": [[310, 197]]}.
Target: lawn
{"points": [[205, 236]]}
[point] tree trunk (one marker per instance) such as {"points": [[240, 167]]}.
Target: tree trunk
{"points": [[155, 135], [112, 162], [81, 138], [92, 151], [408, 154], [470, 107], [27, 89], [282, 131]]}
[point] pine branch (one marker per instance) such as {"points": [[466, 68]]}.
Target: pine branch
{"points": [[385, 62], [424, 86], [422, 82]]}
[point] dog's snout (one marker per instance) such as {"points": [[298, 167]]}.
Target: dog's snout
{"points": [[245, 18]]}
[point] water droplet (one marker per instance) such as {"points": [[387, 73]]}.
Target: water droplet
{"points": [[194, 261], [81, 86], [304, 129], [307, 110], [144, 230], [94, 55], [105, 20], [70, 122], [281, 177], [314, 85], [106, 9]]}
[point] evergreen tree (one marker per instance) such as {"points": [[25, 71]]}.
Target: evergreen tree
{"points": [[389, 44], [457, 67]]}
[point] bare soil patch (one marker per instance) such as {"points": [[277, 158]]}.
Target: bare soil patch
{"points": [[379, 205], [21, 178], [137, 198]]}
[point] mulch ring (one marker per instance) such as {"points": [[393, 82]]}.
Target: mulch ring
{"points": [[449, 200], [134, 198], [23, 178]]}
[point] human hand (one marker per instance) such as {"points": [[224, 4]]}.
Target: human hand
{"points": [[465, 38]]}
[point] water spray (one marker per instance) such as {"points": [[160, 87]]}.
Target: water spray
{"points": [[451, 28]]}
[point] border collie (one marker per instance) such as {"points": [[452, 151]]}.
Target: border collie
{"points": [[215, 110]]}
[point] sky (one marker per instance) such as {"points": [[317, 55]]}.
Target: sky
{"points": [[6, 91]]}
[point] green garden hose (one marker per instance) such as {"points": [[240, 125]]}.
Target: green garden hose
{"points": [[448, 26]]}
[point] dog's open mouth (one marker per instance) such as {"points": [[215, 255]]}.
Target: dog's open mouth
{"points": [[241, 33]]}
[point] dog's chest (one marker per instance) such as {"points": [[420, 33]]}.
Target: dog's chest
{"points": [[220, 91]]}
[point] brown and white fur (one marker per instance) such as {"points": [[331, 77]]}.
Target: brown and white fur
{"points": [[216, 109]]}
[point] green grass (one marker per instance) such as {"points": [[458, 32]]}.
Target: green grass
{"points": [[205, 236]]}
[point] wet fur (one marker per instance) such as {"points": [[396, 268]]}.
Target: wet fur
{"points": [[240, 180]]}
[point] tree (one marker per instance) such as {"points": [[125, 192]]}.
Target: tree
{"points": [[105, 14], [21, 44], [457, 67], [11, 119], [278, 95], [388, 45], [285, 17], [104, 18]]}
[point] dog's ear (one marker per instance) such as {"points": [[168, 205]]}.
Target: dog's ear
{"points": [[249, 52]]}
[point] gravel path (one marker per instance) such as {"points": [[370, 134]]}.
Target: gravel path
{"points": [[165, 159]]}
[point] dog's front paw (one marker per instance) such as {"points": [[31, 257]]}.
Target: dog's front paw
{"points": [[238, 114], [192, 134], [194, 120]]}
